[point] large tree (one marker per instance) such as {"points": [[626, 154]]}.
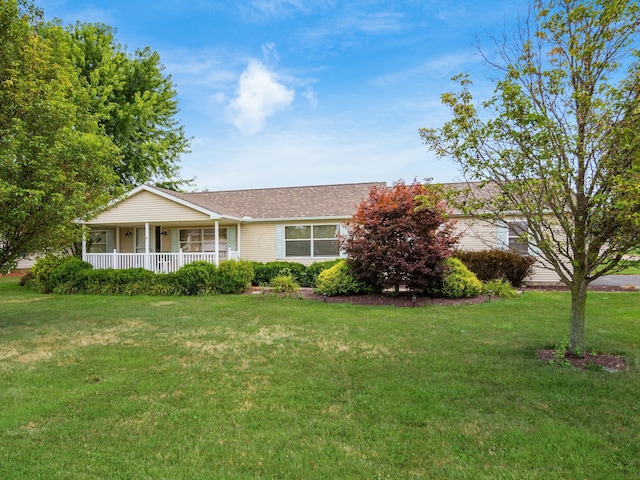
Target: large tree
{"points": [[135, 103], [56, 164], [559, 141], [400, 236]]}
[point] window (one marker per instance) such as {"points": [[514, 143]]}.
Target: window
{"points": [[98, 241], [311, 241], [202, 239], [517, 238]]}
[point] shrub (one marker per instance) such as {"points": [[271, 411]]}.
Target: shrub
{"points": [[284, 284], [68, 276], [234, 276], [499, 288], [165, 284], [315, 269], [197, 278], [494, 264], [459, 281], [338, 280], [265, 272], [41, 272]]}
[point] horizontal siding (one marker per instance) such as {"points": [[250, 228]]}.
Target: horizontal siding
{"points": [[476, 234], [482, 235], [148, 207], [258, 242]]}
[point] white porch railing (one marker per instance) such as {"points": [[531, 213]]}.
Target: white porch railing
{"points": [[156, 262]]}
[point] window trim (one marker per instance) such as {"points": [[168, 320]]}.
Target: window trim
{"points": [[281, 247]]}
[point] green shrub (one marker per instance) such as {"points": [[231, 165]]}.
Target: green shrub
{"points": [[101, 282], [284, 284], [499, 288], [68, 276], [459, 281], [265, 272], [234, 276], [315, 269], [165, 284], [41, 272], [338, 280], [495, 264], [197, 278]]}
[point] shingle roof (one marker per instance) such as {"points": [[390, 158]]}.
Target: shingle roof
{"points": [[287, 202]]}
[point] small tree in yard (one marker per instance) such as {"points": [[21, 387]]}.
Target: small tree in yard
{"points": [[559, 141], [400, 236]]}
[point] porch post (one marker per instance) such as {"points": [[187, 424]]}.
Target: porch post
{"points": [[146, 245], [238, 241], [216, 242], [118, 238], [84, 243]]}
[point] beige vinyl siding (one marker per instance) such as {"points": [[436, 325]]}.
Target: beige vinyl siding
{"points": [[482, 235], [476, 234], [148, 207], [258, 242]]}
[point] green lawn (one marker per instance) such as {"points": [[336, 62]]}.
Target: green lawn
{"points": [[236, 387]]}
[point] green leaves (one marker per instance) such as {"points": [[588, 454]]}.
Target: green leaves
{"points": [[56, 165]]}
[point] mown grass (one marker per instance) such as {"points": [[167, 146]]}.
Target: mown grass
{"points": [[256, 386]]}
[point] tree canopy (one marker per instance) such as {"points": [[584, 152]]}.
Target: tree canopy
{"points": [[559, 141], [134, 102], [56, 164], [400, 236]]}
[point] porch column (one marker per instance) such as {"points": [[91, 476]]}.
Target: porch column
{"points": [[84, 243], [238, 241], [146, 246], [217, 239]]}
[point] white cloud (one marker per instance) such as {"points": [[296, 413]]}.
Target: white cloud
{"points": [[259, 95]]}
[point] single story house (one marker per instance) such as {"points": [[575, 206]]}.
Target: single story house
{"points": [[161, 230]]}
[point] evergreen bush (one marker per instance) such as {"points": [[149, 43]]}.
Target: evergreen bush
{"points": [[494, 264], [234, 276], [197, 278], [459, 281], [338, 280]]}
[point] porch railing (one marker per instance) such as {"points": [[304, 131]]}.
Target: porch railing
{"points": [[156, 262]]}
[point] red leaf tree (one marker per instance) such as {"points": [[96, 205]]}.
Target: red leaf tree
{"points": [[400, 236]]}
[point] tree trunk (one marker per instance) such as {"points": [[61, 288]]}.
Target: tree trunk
{"points": [[577, 339]]}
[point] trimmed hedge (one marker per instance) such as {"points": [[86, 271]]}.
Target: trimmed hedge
{"points": [[498, 264], [305, 276], [67, 275]]}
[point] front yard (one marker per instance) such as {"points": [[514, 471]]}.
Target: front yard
{"points": [[256, 386]]}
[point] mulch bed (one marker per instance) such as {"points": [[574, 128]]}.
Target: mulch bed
{"points": [[605, 361]]}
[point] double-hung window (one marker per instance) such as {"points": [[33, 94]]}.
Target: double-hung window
{"points": [[311, 240], [517, 238], [202, 239], [513, 236], [98, 241]]}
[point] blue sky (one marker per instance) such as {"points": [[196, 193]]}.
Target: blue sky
{"points": [[305, 92]]}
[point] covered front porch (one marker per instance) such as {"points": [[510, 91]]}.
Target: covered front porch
{"points": [[160, 248]]}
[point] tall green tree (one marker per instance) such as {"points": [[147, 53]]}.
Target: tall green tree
{"points": [[559, 141], [135, 103], [56, 165]]}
